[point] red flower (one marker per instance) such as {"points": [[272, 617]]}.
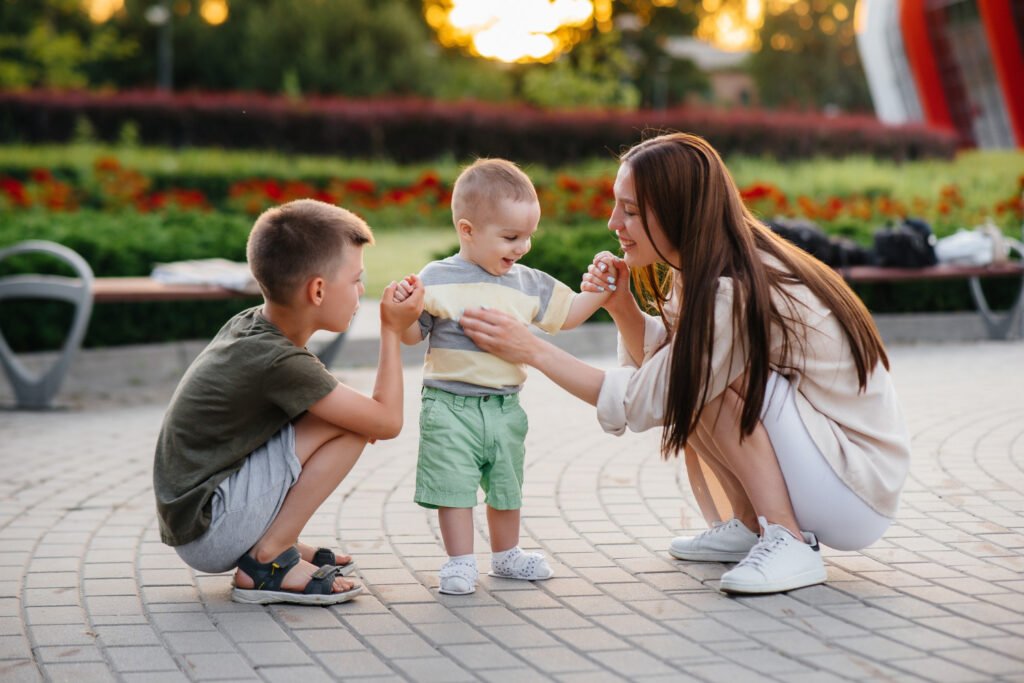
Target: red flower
{"points": [[429, 180], [569, 184], [14, 190], [360, 186], [107, 164], [272, 189]]}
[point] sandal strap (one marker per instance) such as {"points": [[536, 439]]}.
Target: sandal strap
{"points": [[269, 575], [324, 556], [322, 581], [463, 571]]}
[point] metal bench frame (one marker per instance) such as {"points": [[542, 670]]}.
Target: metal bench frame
{"points": [[1008, 324], [36, 391]]}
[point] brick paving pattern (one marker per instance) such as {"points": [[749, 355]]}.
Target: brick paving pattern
{"points": [[88, 593]]}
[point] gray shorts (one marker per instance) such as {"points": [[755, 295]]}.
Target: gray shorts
{"points": [[245, 504]]}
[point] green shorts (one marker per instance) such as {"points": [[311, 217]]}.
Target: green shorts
{"points": [[470, 442]]}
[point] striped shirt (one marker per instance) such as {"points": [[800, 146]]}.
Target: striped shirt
{"points": [[453, 362]]}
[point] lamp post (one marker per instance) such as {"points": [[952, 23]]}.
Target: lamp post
{"points": [[160, 17]]}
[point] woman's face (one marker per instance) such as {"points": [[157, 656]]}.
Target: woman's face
{"points": [[637, 248]]}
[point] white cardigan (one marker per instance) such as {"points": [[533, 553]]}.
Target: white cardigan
{"points": [[863, 436]]}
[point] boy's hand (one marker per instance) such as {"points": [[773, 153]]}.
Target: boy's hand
{"points": [[398, 314], [405, 288]]}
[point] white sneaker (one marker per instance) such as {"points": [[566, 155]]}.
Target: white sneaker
{"points": [[779, 562], [725, 542], [458, 578]]}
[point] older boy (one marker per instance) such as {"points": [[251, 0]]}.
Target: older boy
{"points": [[259, 433], [472, 429]]}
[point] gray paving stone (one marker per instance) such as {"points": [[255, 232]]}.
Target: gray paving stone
{"points": [[198, 642], [274, 654], [360, 663], [212, 666], [142, 634], [73, 673], [481, 656], [401, 646], [632, 664], [126, 659], [434, 669], [250, 627]]}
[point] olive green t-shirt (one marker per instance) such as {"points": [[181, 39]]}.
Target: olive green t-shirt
{"points": [[242, 389]]}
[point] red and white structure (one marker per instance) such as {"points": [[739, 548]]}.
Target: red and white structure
{"points": [[953, 63]]}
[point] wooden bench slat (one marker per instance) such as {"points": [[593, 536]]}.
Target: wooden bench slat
{"points": [[128, 289], [940, 272]]}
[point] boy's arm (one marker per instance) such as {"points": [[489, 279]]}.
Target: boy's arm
{"points": [[582, 307], [412, 335], [379, 416]]}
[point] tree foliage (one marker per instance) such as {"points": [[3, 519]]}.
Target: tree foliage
{"points": [[802, 65]]}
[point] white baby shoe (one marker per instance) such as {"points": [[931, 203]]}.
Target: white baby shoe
{"points": [[515, 564], [458, 575]]}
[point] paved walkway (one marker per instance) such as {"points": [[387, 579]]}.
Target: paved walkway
{"points": [[87, 592]]}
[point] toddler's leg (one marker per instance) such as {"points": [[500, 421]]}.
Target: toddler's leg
{"points": [[327, 454], [458, 575], [507, 558]]}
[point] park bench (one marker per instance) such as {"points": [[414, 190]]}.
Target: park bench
{"points": [[998, 325], [36, 391]]}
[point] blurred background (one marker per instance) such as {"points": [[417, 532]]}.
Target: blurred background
{"points": [[145, 131]]}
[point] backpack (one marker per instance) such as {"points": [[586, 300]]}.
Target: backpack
{"points": [[911, 244]]}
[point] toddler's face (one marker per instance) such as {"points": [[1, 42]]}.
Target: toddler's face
{"points": [[502, 237]]}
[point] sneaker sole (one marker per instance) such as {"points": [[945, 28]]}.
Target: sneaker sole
{"points": [[809, 578], [706, 555]]}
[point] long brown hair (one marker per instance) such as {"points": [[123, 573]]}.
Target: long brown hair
{"points": [[684, 184]]}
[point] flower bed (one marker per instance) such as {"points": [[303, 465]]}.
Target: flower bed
{"points": [[415, 130], [566, 199]]}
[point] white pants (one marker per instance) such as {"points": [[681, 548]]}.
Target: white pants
{"points": [[823, 504]]}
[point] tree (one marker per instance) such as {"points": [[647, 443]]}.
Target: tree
{"points": [[809, 58], [52, 44]]}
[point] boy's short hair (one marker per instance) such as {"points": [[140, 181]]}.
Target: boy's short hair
{"points": [[484, 183], [291, 243]]}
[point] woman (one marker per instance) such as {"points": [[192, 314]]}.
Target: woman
{"points": [[764, 368]]}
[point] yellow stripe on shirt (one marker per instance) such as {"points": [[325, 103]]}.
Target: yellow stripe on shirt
{"points": [[472, 367]]}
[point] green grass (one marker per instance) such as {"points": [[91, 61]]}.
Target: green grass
{"points": [[990, 173], [400, 252], [983, 177]]}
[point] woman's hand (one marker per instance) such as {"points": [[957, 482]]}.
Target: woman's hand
{"points": [[501, 334], [609, 273]]}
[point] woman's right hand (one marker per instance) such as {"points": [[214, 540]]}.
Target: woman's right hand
{"points": [[608, 272]]}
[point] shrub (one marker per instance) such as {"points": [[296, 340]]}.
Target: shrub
{"points": [[414, 130]]}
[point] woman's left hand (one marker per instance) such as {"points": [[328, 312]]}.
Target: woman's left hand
{"points": [[499, 333]]}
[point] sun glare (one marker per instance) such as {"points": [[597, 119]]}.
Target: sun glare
{"points": [[100, 11], [523, 31], [541, 30]]}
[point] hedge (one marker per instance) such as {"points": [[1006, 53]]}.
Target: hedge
{"points": [[409, 130]]}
